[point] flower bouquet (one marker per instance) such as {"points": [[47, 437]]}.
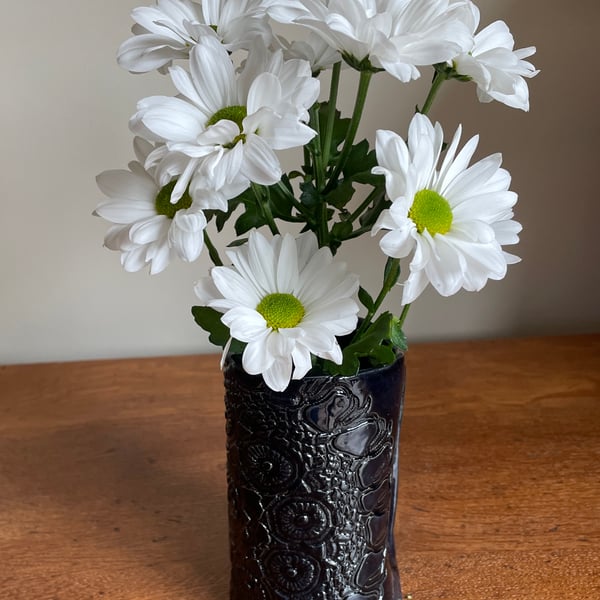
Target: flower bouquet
{"points": [[297, 329]]}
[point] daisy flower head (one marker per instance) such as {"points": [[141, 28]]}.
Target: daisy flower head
{"points": [[314, 49], [453, 220], [170, 29], [392, 35], [224, 127], [497, 69], [147, 228], [287, 300]]}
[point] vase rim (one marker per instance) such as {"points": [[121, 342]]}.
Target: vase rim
{"points": [[236, 359]]}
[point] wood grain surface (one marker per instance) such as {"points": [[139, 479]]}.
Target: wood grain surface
{"points": [[112, 476]]}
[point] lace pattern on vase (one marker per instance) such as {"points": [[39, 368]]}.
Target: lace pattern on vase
{"points": [[311, 477]]}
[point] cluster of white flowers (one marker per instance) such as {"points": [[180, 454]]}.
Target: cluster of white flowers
{"points": [[243, 94]]}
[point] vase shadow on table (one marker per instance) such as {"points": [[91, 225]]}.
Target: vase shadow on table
{"points": [[139, 495]]}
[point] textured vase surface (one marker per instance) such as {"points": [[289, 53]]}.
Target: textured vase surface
{"points": [[312, 483]]}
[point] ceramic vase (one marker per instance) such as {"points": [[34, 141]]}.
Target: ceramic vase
{"points": [[312, 485]]}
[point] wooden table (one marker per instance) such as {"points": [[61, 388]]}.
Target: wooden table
{"points": [[112, 476]]}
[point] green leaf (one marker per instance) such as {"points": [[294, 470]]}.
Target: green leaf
{"points": [[238, 242], [210, 320], [341, 231], [382, 355], [251, 218], [310, 195], [398, 338], [360, 160], [375, 346], [280, 204], [222, 217], [391, 273], [341, 195], [365, 298], [368, 178]]}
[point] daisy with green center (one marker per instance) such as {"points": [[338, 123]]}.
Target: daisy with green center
{"points": [[453, 220], [148, 229], [287, 300], [224, 128]]}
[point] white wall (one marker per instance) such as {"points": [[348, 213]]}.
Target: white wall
{"points": [[64, 109]]}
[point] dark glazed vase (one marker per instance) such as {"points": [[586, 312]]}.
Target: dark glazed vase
{"points": [[312, 477]]}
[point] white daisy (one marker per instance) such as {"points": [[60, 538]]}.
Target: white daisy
{"points": [[496, 68], [454, 219], [147, 228], [227, 126], [171, 28], [314, 49], [287, 300], [395, 35]]}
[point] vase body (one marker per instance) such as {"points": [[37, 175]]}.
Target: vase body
{"points": [[312, 481]]}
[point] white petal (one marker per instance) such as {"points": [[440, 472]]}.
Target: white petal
{"points": [[124, 213], [413, 286], [287, 265], [206, 290], [161, 257], [183, 82], [277, 376], [264, 91], [255, 357], [233, 286], [171, 119], [134, 259], [213, 75], [399, 242], [149, 230], [124, 185], [186, 234], [302, 361], [260, 165], [245, 324], [117, 238], [307, 245]]}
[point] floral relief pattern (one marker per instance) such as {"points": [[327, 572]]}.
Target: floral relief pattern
{"points": [[312, 493], [303, 520], [267, 468]]}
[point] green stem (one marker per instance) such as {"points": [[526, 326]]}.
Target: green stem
{"points": [[388, 284], [436, 84], [323, 228], [319, 175], [315, 147], [307, 160], [403, 315], [290, 197], [212, 251], [361, 97], [265, 207], [331, 107], [358, 232], [365, 204]]}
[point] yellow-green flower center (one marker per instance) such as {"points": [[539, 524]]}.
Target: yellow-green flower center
{"points": [[163, 201], [237, 114], [431, 211], [281, 311], [232, 113]]}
